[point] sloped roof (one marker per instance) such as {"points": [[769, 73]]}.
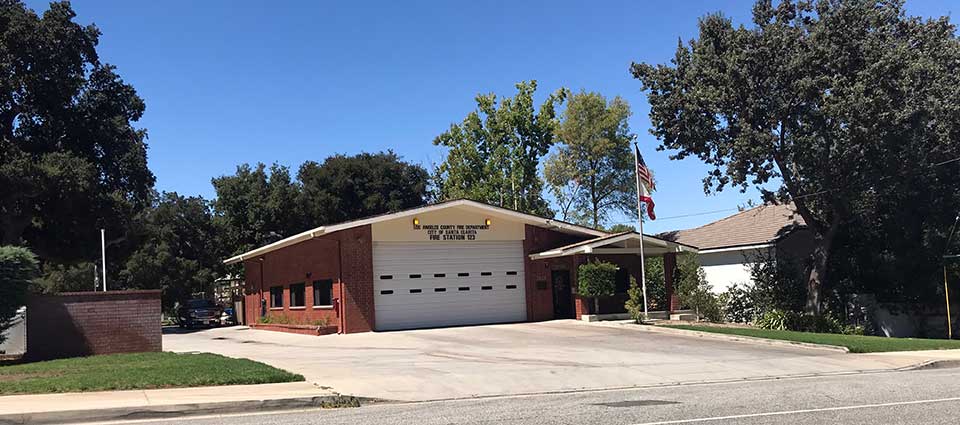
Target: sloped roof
{"points": [[559, 225], [620, 243], [756, 226]]}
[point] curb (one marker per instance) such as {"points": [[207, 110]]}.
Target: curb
{"points": [[180, 410], [931, 364], [734, 338]]}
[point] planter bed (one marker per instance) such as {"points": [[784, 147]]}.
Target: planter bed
{"points": [[296, 329]]}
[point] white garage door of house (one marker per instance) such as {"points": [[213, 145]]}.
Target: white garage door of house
{"points": [[430, 284]]}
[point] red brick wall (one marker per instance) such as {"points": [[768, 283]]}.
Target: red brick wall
{"points": [[317, 259], [87, 323], [537, 239], [669, 265], [357, 260]]}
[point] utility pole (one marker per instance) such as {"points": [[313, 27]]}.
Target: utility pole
{"points": [[946, 288], [103, 256]]}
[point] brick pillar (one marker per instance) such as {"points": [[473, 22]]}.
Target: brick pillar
{"points": [[669, 266]]}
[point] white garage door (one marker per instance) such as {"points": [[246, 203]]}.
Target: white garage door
{"points": [[430, 284]]}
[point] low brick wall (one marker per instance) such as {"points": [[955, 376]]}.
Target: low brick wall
{"points": [[296, 329], [76, 324]]}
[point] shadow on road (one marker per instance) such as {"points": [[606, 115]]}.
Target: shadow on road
{"points": [[176, 330]]}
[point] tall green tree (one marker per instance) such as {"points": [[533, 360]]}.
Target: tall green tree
{"points": [[71, 159], [494, 154], [593, 168], [832, 105], [349, 187], [256, 206], [179, 252]]}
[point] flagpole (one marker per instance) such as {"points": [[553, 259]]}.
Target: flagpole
{"points": [[643, 266]]}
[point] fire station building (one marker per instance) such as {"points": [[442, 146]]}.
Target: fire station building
{"points": [[448, 264]]}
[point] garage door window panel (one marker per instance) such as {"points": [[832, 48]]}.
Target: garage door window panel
{"points": [[323, 293]]}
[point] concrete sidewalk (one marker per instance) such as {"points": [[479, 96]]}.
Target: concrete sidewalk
{"points": [[142, 404], [925, 358]]}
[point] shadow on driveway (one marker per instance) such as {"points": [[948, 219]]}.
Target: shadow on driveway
{"points": [[176, 330]]}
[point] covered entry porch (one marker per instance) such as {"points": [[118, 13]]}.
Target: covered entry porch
{"points": [[556, 270]]}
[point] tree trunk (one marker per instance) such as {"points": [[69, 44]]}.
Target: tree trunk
{"points": [[596, 305], [818, 270]]}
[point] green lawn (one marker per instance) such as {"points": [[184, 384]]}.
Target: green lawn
{"points": [[855, 343], [136, 371]]}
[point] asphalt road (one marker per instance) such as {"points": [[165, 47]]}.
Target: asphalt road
{"points": [[917, 397]]}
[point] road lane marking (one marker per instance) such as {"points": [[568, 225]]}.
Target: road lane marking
{"points": [[794, 412]]}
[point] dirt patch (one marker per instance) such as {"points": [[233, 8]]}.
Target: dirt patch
{"points": [[11, 377]]}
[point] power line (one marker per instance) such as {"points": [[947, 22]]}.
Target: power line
{"points": [[946, 162], [698, 214], [686, 215]]}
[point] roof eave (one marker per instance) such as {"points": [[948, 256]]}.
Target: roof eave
{"points": [[587, 248], [310, 234], [300, 237]]}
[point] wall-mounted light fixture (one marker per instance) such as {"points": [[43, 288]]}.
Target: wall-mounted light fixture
{"points": [[416, 221], [487, 222]]}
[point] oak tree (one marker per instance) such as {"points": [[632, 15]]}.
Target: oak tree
{"points": [[827, 104], [71, 159]]}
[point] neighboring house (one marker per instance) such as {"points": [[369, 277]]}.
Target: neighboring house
{"points": [[730, 246], [454, 263]]}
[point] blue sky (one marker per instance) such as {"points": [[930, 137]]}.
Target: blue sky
{"points": [[231, 82]]}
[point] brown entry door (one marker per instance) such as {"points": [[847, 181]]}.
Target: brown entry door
{"points": [[562, 299]]}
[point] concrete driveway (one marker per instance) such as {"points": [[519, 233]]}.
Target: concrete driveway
{"points": [[521, 358]]}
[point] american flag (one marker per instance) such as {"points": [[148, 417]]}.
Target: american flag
{"points": [[646, 177], [645, 185]]}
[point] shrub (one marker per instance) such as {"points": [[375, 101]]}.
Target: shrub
{"points": [[739, 305], [707, 305], [777, 283], [18, 268], [693, 291], [656, 290], [595, 280], [792, 321], [634, 304], [776, 320], [820, 324], [854, 330], [280, 319]]}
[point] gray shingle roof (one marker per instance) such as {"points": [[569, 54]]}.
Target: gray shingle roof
{"points": [[759, 225]]}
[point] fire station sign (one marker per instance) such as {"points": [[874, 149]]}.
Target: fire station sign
{"points": [[451, 232]]}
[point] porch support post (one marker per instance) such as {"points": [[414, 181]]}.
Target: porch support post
{"points": [[669, 265]]}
